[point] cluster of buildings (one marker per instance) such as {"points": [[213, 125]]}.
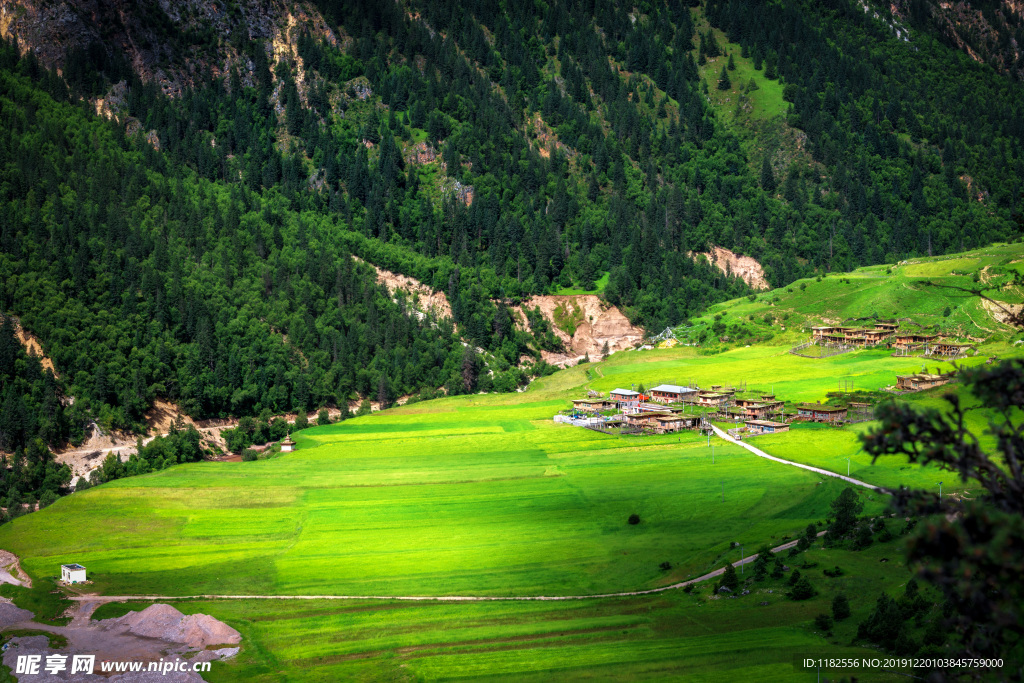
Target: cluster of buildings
{"points": [[670, 408], [888, 332]]}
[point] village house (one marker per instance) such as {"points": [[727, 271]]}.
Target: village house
{"points": [[949, 349], [829, 332], [673, 423], [758, 410], [888, 325], [714, 399], [72, 573], [592, 405], [819, 413], [645, 420], [921, 381], [626, 400], [671, 393], [765, 426], [909, 340]]}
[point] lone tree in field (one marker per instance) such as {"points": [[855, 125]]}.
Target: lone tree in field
{"points": [[729, 578], [972, 550], [845, 509], [840, 607]]}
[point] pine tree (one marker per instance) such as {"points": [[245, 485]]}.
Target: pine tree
{"points": [[731, 65], [729, 578], [723, 80]]}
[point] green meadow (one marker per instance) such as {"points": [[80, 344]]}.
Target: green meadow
{"points": [[481, 495], [668, 636], [449, 497]]}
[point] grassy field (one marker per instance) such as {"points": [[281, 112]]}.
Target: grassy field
{"points": [[668, 636], [471, 495], [438, 499]]}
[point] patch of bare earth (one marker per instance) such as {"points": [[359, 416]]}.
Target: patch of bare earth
{"points": [[425, 299], [745, 267], [155, 633], [1003, 311], [601, 324]]}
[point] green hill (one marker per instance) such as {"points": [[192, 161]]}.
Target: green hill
{"points": [[924, 293]]}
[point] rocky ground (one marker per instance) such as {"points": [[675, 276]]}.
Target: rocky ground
{"points": [[159, 632]]}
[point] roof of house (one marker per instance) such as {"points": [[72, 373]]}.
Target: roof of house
{"points": [[669, 418], [713, 394], [765, 423], [623, 392], [673, 389], [822, 409], [924, 376], [73, 567]]}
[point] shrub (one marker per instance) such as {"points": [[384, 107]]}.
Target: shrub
{"points": [[665, 566], [634, 518], [840, 607], [946, 313], [803, 590], [323, 418], [794, 577], [248, 455], [688, 588], [833, 572], [47, 499], [823, 622], [729, 578]]}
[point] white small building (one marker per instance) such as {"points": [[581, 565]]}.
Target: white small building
{"points": [[72, 573], [287, 446]]}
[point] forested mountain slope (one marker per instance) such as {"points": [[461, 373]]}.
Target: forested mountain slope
{"points": [[192, 240]]}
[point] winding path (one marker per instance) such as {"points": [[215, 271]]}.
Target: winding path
{"points": [[827, 473]]}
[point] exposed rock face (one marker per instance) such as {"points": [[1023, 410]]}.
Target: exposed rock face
{"points": [[601, 324], [427, 299], [33, 347], [159, 40], [744, 266]]}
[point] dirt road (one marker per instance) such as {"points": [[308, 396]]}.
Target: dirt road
{"points": [[827, 473]]}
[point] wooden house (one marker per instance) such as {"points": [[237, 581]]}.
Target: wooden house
{"points": [[819, 413], [921, 381], [887, 325], [829, 332], [646, 420], [949, 349], [592, 405], [909, 340], [671, 393], [714, 399], [673, 423], [765, 426]]}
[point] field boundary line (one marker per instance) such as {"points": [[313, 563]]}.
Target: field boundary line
{"points": [[431, 598], [828, 473]]}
